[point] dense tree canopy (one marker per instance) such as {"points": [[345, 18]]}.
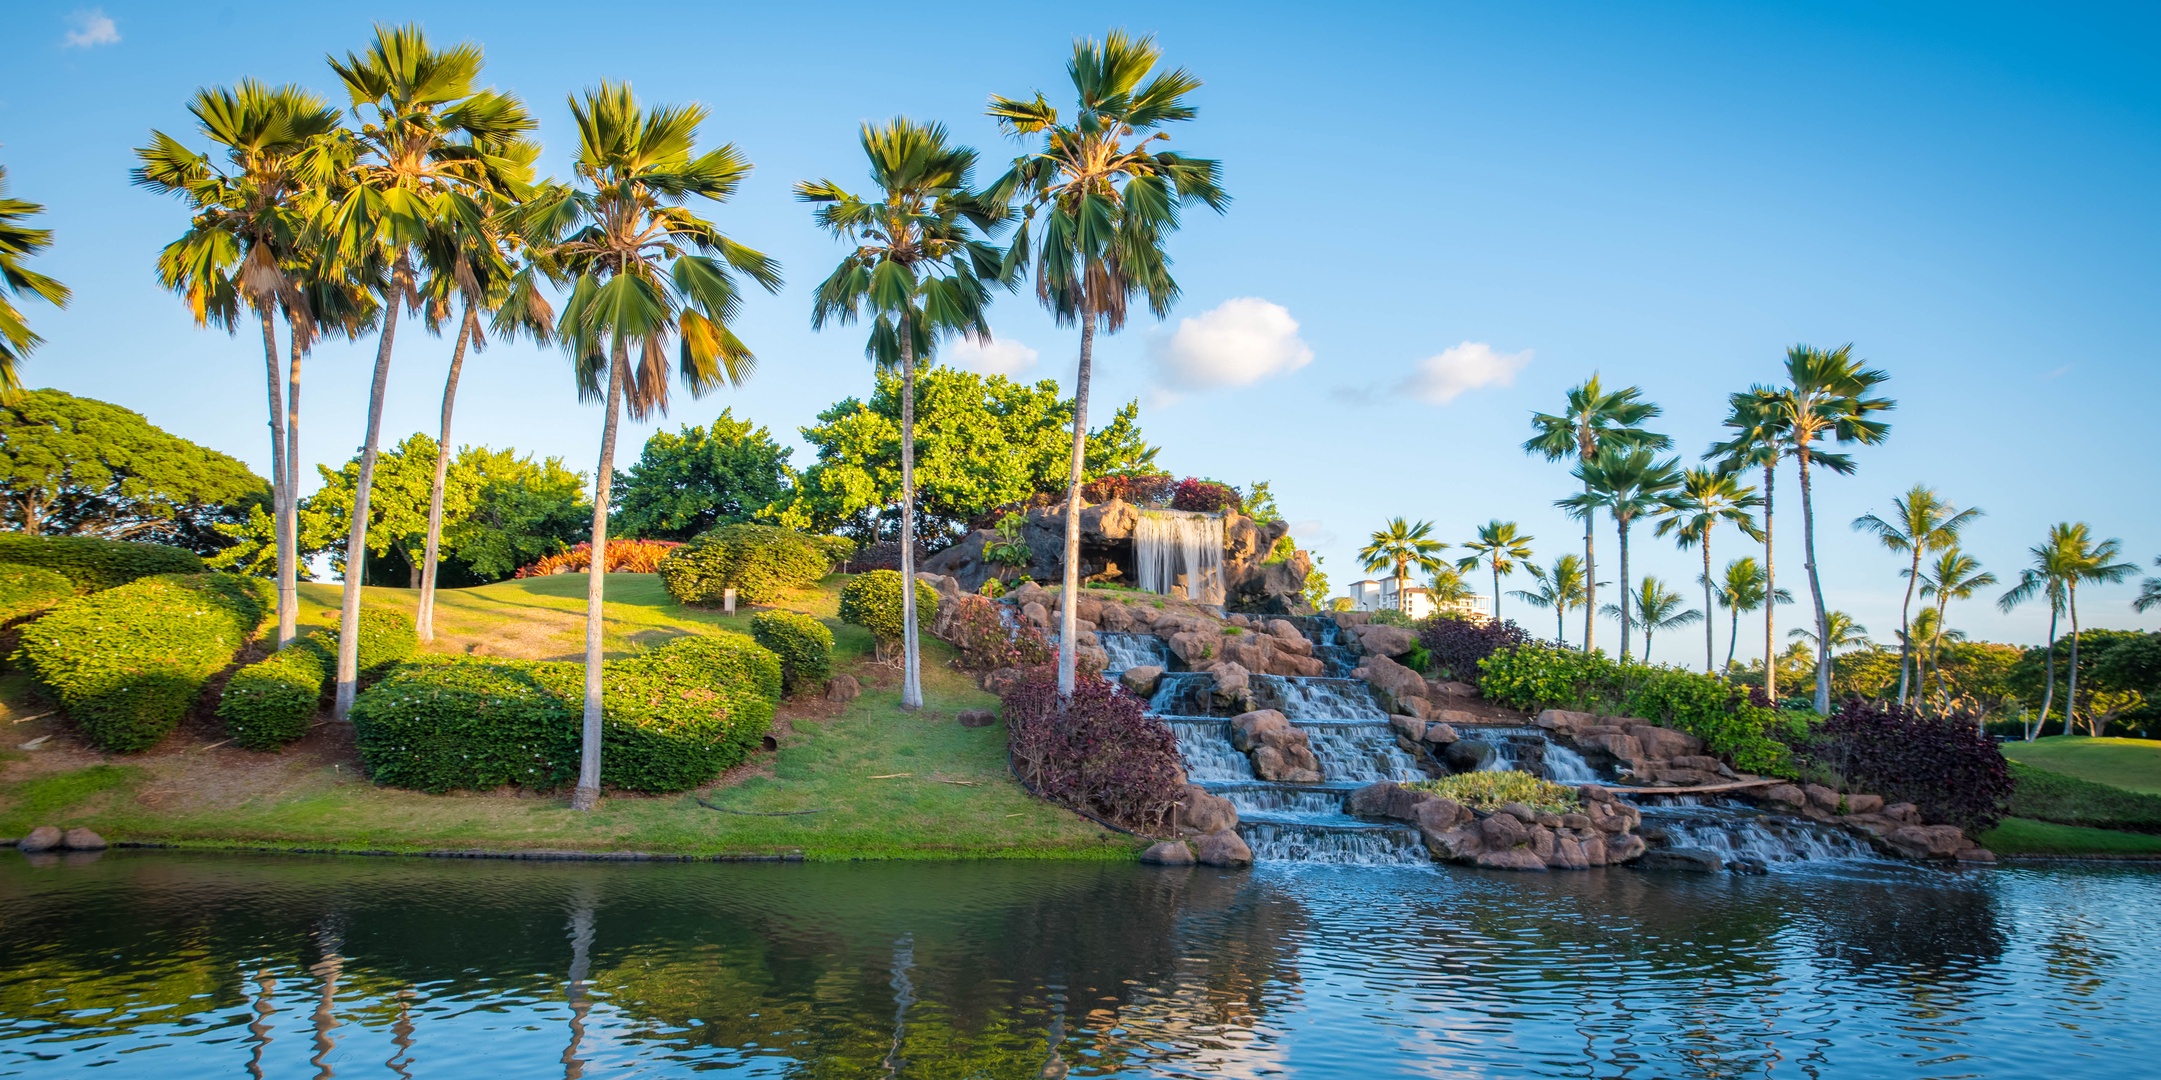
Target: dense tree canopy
{"points": [[72, 466], [685, 483], [981, 442]]}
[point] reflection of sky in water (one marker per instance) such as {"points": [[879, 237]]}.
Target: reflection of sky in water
{"points": [[179, 966]]}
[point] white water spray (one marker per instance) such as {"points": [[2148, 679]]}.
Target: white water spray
{"points": [[1173, 548]]}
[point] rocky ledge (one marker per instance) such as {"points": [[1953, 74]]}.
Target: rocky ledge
{"points": [[1514, 836]]}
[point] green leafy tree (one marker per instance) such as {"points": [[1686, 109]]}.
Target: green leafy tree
{"points": [[1826, 397], [2068, 558], [1707, 497], [1759, 441], [1446, 586], [1921, 522], [1260, 504], [687, 482], [1745, 587], [1317, 586], [1500, 545], [919, 273], [1561, 588], [73, 466], [1108, 198], [645, 271], [1595, 419], [1655, 606], [428, 154], [1399, 547], [18, 241], [1626, 483], [247, 217]]}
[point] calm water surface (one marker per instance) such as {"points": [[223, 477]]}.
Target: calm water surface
{"points": [[175, 966]]}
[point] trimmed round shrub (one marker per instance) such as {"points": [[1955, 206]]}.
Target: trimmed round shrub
{"points": [[803, 644], [680, 715], [387, 639], [93, 564], [762, 563], [471, 725], [27, 590], [872, 601], [271, 702], [127, 663]]}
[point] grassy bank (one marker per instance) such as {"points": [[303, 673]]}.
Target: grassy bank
{"points": [[2025, 836], [2130, 764], [866, 780]]}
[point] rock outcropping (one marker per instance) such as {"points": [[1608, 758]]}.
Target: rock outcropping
{"points": [[1514, 836]]}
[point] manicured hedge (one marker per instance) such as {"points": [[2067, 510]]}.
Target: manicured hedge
{"points": [[872, 601], [127, 663], [761, 562], [803, 644], [271, 702], [387, 639], [672, 718], [27, 590], [94, 564]]}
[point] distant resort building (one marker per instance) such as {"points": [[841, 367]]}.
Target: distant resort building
{"points": [[1380, 595]]}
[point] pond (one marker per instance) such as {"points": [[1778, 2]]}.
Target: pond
{"points": [[181, 965]]}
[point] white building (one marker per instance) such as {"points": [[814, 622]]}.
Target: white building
{"points": [[1380, 595]]}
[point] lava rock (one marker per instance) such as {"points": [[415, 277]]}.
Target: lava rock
{"points": [[1223, 848], [1410, 727], [1466, 755], [974, 718], [1381, 640], [841, 689], [1441, 734], [1689, 860], [1168, 853], [81, 839], [1204, 813], [42, 838], [1747, 864], [1142, 680]]}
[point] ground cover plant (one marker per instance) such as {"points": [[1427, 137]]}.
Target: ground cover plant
{"points": [[127, 663], [762, 563], [1095, 751], [1492, 790], [803, 644], [92, 563]]}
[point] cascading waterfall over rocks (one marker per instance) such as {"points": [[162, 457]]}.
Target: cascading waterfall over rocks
{"points": [[1174, 549]]}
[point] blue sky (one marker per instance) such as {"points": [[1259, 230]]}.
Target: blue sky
{"points": [[1445, 216]]}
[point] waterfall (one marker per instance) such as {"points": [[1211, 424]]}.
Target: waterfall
{"points": [[1174, 549], [1132, 651], [1735, 831]]}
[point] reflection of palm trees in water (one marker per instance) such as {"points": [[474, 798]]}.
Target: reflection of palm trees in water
{"points": [[1054, 1067], [581, 963], [401, 1035], [903, 996], [259, 1028], [328, 969]]}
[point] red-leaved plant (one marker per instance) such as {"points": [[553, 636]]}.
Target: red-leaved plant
{"points": [[1458, 644], [1205, 496], [1944, 765], [624, 557], [1096, 751], [978, 628]]}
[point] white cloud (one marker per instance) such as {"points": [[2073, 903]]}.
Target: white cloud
{"points": [[91, 29], [1237, 343], [998, 356], [1470, 366]]}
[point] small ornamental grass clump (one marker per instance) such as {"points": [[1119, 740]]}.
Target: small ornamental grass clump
{"points": [[1096, 751], [624, 557], [873, 602], [1457, 645], [127, 663], [27, 590], [1489, 791], [1942, 764], [762, 563], [93, 564], [271, 702], [803, 644]]}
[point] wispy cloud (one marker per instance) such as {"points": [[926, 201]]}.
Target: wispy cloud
{"points": [[91, 29], [1236, 343], [1453, 372], [2058, 373], [998, 356]]}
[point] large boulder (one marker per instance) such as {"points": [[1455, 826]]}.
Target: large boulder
{"points": [[1467, 755], [42, 838], [1289, 765], [81, 839], [1223, 848], [1168, 853], [1279, 750], [1927, 841], [1380, 640], [1688, 860], [1201, 812], [1393, 682], [1141, 681]]}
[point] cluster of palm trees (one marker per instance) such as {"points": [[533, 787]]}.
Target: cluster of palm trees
{"points": [[421, 198]]}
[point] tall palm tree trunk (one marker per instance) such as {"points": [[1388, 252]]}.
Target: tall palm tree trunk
{"points": [[1560, 624], [911, 685], [424, 622], [587, 794], [1710, 633], [289, 528], [1496, 590], [287, 595], [2070, 694], [1069, 593], [356, 542], [1590, 572], [1815, 591], [1733, 638], [1770, 588], [2048, 694], [1625, 620], [1905, 625]]}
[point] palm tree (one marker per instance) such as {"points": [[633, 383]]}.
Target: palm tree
{"points": [[1560, 588], [1626, 483], [645, 272], [1501, 546], [2149, 593], [1839, 629], [424, 162], [918, 270], [243, 241], [1955, 576], [483, 269], [1827, 397], [1110, 198], [1746, 587], [1397, 548], [1759, 441], [1594, 419], [18, 242], [1706, 498], [1921, 522], [1928, 635], [1657, 607], [2069, 556]]}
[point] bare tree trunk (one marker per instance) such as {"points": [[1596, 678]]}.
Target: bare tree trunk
{"points": [[356, 542], [424, 622], [1733, 637], [1815, 590], [1770, 588], [911, 648], [587, 795], [2070, 694], [1590, 573], [2048, 695], [1069, 594], [289, 572], [1905, 624], [1710, 634], [1496, 567], [278, 510], [1623, 523]]}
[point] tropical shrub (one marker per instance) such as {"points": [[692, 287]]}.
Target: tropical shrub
{"points": [[1095, 751], [27, 590], [1942, 764], [624, 557], [873, 602], [882, 555], [93, 564], [1391, 617], [2068, 800], [803, 644], [1155, 489], [1490, 791], [986, 643], [271, 702], [762, 563], [679, 715], [1457, 645], [992, 588], [387, 639], [1205, 496], [467, 724], [127, 663]]}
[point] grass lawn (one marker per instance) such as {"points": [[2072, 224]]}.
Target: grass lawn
{"points": [[2024, 836], [2131, 764], [879, 782]]}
